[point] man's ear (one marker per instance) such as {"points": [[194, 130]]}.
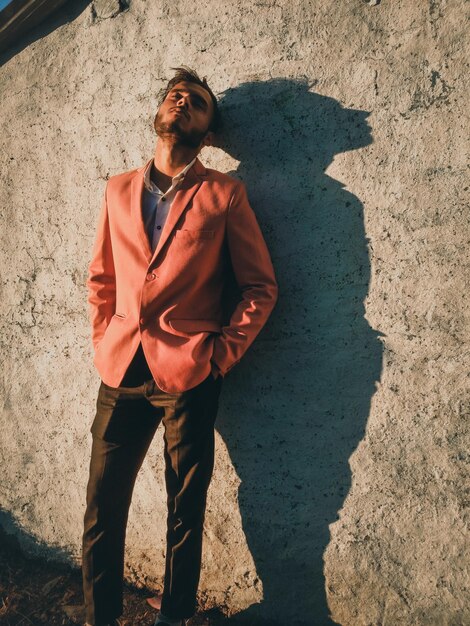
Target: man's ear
{"points": [[208, 139]]}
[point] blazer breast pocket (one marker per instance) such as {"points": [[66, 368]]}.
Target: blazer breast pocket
{"points": [[191, 234]]}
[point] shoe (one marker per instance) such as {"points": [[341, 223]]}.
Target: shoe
{"points": [[155, 601]]}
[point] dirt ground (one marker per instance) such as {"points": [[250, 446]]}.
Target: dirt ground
{"points": [[35, 591]]}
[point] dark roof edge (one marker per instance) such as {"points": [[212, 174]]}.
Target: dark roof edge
{"points": [[20, 16]]}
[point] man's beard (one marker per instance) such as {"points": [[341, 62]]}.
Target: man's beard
{"points": [[190, 139]]}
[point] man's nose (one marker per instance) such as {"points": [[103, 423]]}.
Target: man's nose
{"points": [[183, 102]]}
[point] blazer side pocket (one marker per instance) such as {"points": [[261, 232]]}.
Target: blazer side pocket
{"points": [[195, 326]]}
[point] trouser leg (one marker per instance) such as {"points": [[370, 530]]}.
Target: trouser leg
{"points": [[122, 431], [189, 462]]}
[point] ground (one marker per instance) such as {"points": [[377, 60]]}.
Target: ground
{"points": [[36, 591]]}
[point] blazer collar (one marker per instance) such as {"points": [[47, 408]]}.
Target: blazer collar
{"points": [[191, 183], [198, 168]]}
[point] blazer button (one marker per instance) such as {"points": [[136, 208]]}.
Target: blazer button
{"points": [[151, 276]]}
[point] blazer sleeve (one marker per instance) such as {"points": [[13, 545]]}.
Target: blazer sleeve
{"points": [[255, 276], [101, 282]]}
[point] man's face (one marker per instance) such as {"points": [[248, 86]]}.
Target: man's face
{"points": [[186, 114]]}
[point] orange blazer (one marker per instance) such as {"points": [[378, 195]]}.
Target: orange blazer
{"points": [[171, 299]]}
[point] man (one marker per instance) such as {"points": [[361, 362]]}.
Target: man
{"points": [[169, 235]]}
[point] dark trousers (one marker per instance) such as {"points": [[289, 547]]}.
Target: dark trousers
{"points": [[125, 423]]}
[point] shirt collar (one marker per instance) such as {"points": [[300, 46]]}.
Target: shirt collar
{"points": [[151, 186]]}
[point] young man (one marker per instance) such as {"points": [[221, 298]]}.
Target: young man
{"points": [[169, 234]]}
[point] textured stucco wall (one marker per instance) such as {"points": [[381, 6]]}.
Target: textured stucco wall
{"points": [[340, 475]]}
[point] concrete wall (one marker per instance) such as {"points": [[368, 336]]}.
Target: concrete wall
{"points": [[339, 485]]}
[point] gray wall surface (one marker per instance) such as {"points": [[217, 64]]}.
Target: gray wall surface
{"points": [[340, 488]]}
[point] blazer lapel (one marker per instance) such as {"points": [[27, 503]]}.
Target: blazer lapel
{"points": [[191, 183], [137, 187]]}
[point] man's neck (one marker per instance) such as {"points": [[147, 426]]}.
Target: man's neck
{"points": [[169, 160]]}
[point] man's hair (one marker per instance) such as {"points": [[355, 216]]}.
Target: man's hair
{"points": [[186, 74]]}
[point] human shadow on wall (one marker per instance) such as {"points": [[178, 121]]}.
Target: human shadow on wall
{"points": [[296, 407], [14, 537]]}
